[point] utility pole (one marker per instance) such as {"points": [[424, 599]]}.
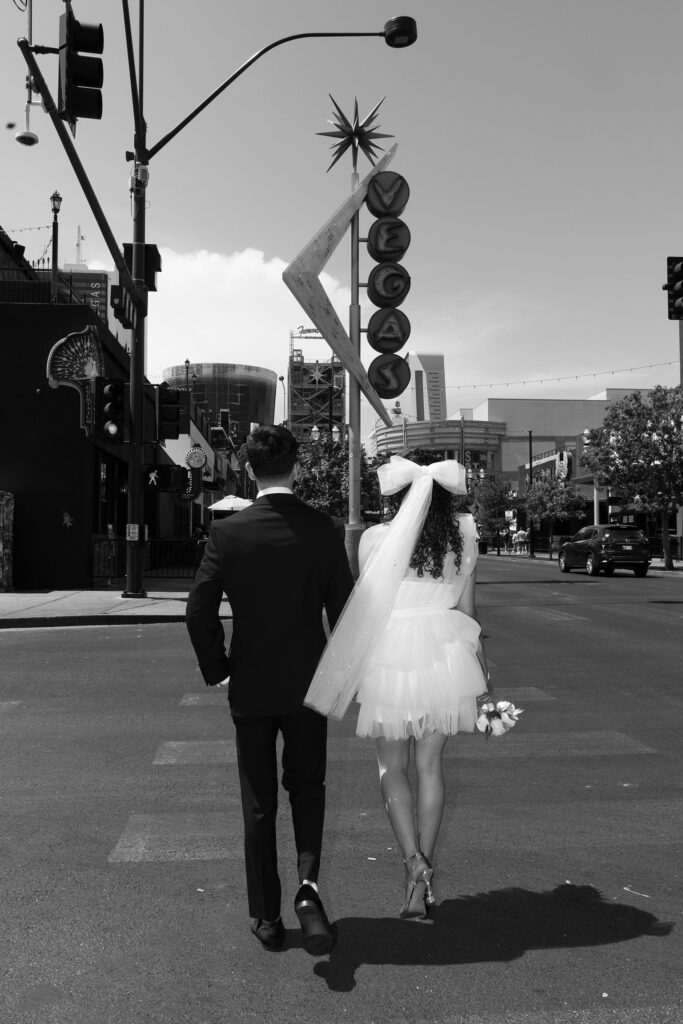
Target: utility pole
{"points": [[530, 523], [354, 527], [135, 530]]}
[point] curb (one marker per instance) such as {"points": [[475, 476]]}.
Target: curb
{"points": [[38, 622]]}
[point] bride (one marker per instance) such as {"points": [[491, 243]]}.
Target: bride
{"points": [[408, 647]]}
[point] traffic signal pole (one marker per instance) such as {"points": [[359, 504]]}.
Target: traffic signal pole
{"points": [[135, 528], [355, 527], [397, 33]]}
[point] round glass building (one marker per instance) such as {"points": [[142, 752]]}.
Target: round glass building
{"points": [[235, 395]]}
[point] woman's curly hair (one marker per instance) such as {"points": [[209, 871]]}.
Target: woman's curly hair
{"points": [[440, 533]]}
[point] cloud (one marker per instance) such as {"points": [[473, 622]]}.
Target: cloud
{"points": [[212, 307]]}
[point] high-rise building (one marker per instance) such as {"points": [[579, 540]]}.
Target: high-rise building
{"points": [[425, 396]]}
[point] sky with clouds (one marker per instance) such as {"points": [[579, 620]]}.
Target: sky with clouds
{"points": [[539, 138]]}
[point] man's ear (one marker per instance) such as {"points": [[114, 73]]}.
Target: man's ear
{"points": [[250, 471]]}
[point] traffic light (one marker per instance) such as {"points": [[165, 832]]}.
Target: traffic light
{"points": [[80, 78], [674, 286], [152, 263], [388, 283], [110, 410], [169, 412], [122, 305]]}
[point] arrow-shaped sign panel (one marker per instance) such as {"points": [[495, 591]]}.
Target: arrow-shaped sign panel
{"points": [[302, 279]]}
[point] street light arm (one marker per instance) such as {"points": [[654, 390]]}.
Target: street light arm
{"points": [[89, 192], [247, 64], [137, 109]]}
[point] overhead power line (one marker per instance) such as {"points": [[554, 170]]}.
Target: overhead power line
{"points": [[557, 380]]}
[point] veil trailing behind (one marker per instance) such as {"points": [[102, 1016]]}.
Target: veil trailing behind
{"points": [[366, 614]]}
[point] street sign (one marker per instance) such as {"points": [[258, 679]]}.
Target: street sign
{"points": [[132, 531], [389, 375], [389, 282], [301, 277], [388, 330]]}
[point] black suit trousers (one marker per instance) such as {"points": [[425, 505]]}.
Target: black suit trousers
{"points": [[304, 754]]}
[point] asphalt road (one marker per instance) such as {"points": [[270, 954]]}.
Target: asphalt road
{"points": [[558, 871]]}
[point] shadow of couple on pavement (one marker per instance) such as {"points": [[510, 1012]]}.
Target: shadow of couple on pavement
{"points": [[496, 926]]}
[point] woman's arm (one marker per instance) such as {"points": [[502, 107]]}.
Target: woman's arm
{"points": [[467, 604], [369, 540]]}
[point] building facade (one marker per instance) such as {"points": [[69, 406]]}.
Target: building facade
{"points": [[316, 393], [234, 395]]}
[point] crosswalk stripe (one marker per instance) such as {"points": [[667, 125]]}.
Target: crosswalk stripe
{"points": [[202, 700], [519, 693], [517, 744], [217, 834], [554, 614]]}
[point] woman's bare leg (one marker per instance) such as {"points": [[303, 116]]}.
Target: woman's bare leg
{"points": [[431, 790], [392, 760]]}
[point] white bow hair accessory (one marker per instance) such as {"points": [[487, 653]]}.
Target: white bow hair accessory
{"points": [[399, 473]]}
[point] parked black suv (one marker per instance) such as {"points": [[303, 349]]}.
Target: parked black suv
{"points": [[606, 548]]}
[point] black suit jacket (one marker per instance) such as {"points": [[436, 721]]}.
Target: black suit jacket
{"points": [[279, 563]]}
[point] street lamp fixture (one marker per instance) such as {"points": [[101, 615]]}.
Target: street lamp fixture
{"points": [[284, 401], [315, 433], [187, 374], [336, 434], [56, 203], [400, 32]]}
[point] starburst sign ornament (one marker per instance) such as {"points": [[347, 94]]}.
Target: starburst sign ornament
{"points": [[356, 134]]}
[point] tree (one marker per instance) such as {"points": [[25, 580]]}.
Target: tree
{"points": [[324, 479], [548, 499], [638, 452], [491, 500]]}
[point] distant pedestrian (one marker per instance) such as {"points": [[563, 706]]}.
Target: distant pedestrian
{"points": [[280, 564], [200, 538]]}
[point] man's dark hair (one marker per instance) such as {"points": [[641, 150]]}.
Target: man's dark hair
{"points": [[272, 451]]}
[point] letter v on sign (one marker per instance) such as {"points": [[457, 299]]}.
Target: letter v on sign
{"points": [[301, 277]]}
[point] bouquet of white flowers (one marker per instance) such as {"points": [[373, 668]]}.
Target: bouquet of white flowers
{"points": [[497, 719]]}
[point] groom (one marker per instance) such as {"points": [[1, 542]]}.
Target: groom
{"points": [[280, 563]]}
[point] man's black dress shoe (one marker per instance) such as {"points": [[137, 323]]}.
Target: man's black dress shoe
{"points": [[271, 934], [315, 928]]}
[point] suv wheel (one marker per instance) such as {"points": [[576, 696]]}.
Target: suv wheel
{"points": [[640, 570], [562, 562], [591, 566]]}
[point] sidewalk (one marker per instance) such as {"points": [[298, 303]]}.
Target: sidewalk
{"points": [[22, 609]]}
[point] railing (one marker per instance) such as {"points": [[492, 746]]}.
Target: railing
{"points": [[163, 559], [19, 285]]}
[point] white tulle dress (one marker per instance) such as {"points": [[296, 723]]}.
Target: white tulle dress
{"points": [[423, 675]]}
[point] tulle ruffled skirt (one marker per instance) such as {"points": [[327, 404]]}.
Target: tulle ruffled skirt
{"points": [[423, 677]]}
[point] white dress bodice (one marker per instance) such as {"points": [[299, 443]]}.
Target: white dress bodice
{"points": [[425, 591]]}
